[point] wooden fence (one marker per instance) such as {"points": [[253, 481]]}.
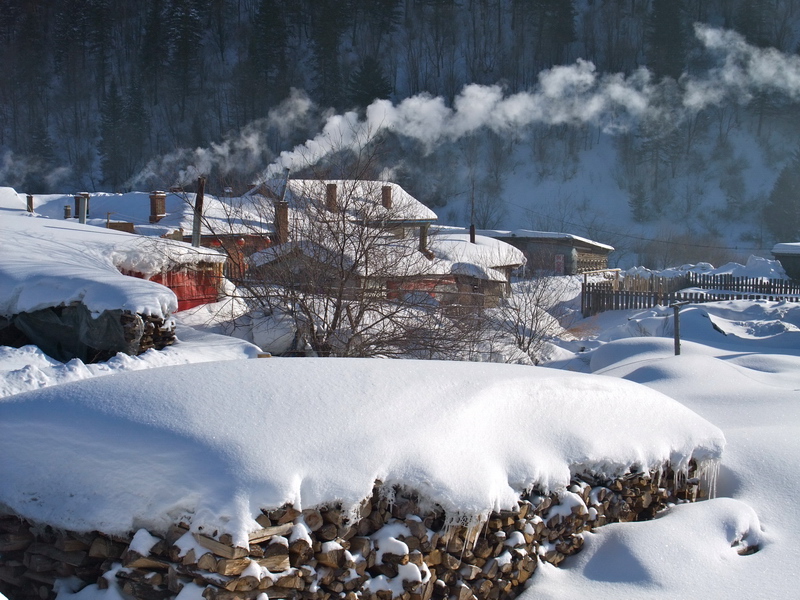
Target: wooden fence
{"points": [[640, 293]]}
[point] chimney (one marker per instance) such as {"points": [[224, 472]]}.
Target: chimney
{"points": [[331, 202], [423, 239], [281, 222], [158, 206], [67, 211], [30, 203], [82, 206], [386, 197]]}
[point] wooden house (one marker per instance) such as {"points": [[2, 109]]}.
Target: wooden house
{"points": [[557, 253], [379, 240]]}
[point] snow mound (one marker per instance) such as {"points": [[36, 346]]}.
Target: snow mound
{"points": [[756, 267], [642, 560], [216, 442]]}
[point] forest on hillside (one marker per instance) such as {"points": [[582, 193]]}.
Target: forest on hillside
{"points": [[106, 95]]}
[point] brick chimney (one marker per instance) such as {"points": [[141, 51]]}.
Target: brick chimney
{"points": [[29, 204], [158, 206], [386, 197], [331, 200], [281, 222]]}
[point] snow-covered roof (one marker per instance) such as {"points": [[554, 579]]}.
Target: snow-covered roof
{"points": [[356, 197], [527, 234], [226, 216], [786, 248], [756, 267], [486, 252], [144, 449], [49, 262], [452, 254]]}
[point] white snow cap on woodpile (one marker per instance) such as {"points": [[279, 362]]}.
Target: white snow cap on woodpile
{"points": [[47, 262], [214, 443]]}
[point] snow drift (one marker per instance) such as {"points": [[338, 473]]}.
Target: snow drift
{"points": [[213, 443]]}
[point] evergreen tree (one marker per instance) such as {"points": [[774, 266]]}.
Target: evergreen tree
{"points": [[328, 25], [135, 128], [112, 138], [41, 158], [368, 83], [269, 50], [153, 51], [184, 35], [751, 21], [782, 212], [381, 18], [666, 39], [100, 27]]}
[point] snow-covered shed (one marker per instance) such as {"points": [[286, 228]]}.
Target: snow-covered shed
{"points": [[62, 285], [788, 254], [560, 253]]}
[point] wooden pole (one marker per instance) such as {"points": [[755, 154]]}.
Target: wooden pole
{"points": [[198, 211], [677, 328]]}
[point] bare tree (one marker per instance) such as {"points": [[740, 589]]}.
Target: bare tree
{"points": [[533, 314], [352, 265]]}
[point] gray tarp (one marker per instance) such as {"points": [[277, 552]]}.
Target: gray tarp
{"points": [[68, 332]]}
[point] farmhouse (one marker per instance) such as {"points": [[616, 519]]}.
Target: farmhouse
{"points": [[380, 240], [559, 253], [281, 223]]}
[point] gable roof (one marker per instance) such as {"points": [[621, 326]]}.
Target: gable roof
{"points": [[527, 235], [233, 216], [450, 254], [358, 198]]}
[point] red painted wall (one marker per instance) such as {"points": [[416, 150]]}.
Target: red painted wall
{"points": [[192, 287]]}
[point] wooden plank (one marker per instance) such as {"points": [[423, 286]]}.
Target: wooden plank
{"points": [[134, 560], [232, 566], [276, 563], [262, 535], [219, 548], [76, 558], [105, 548], [10, 542]]}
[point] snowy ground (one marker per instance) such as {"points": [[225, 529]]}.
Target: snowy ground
{"points": [[739, 368], [738, 375]]}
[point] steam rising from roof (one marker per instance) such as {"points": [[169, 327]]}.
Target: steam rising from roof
{"points": [[573, 94]]}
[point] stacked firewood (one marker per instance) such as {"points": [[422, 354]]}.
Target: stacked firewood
{"points": [[150, 331], [392, 549]]}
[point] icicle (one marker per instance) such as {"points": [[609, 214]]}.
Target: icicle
{"points": [[708, 473]]}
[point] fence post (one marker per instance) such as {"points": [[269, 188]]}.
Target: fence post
{"points": [[677, 326]]}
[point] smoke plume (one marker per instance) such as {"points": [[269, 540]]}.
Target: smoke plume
{"points": [[572, 94], [245, 152]]}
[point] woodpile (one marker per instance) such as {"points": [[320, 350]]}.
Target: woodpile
{"points": [[150, 331], [393, 549]]}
